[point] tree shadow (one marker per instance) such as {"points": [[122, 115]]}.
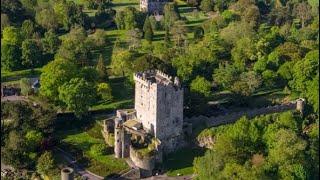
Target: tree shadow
{"points": [[182, 158]]}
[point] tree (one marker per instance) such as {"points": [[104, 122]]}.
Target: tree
{"points": [[225, 75], [78, 95], [45, 163], [244, 51], [147, 29], [121, 62], [129, 18], [104, 90], [119, 19], [134, 38], [201, 85], [69, 14], [11, 36], [28, 28], [50, 42], [25, 85], [303, 12], [31, 54], [246, 84], [206, 5], [99, 38], [75, 47], [235, 31], [171, 15], [179, 33], [101, 68], [55, 74], [13, 153], [47, 19], [90, 74], [33, 139], [10, 57]]}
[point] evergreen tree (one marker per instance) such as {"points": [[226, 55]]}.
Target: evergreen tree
{"points": [[101, 68], [147, 29]]}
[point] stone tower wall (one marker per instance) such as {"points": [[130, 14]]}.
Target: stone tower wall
{"points": [[169, 113], [117, 138], [146, 104]]}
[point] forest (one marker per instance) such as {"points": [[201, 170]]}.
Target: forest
{"points": [[85, 52]]}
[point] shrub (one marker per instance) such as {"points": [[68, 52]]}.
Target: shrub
{"points": [[104, 90], [98, 149]]}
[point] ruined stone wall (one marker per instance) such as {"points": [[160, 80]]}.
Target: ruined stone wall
{"points": [[230, 118], [146, 164]]}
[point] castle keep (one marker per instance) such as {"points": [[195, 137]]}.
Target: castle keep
{"points": [[155, 124]]}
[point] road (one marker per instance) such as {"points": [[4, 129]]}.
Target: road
{"points": [[77, 167]]}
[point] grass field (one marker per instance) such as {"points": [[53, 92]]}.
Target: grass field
{"points": [[78, 140], [7, 76]]}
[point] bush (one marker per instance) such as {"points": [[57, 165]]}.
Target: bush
{"points": [[25, 86], [98, 149], [104, 90]]}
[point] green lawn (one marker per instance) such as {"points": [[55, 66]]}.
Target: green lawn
{"points": [[180, 162], [78, 140], [121, 4], [7, 76], [122, 96]]}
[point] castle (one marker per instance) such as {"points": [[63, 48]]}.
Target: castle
{"points": [[155, 124], [153, 6]]}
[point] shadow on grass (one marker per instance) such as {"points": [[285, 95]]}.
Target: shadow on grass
{"points": [[182, 158]]}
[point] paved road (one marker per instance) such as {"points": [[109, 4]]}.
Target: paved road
{"points": [[77, 167]]}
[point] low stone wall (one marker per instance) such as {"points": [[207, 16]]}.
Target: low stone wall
{"points": [[230, 118]]}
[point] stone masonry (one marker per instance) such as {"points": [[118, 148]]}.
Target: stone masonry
{"points": [[159, 106]]}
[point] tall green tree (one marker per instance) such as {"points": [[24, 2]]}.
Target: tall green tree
{"points": [[28, 28], [201, 85], [47, 19], [147, 29], [50, 42], [101, 68], [78, 95], [31, 54], [54, 75], [10, 57], [12, 35]]}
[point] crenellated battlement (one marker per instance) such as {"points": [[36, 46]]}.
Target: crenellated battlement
{"points": [[151, 77]]}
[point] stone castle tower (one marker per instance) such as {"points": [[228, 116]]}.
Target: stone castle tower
{"points": [[153, 6], [159, 106]]}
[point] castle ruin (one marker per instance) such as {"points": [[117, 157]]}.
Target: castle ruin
{"points": [[155, 124]]}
